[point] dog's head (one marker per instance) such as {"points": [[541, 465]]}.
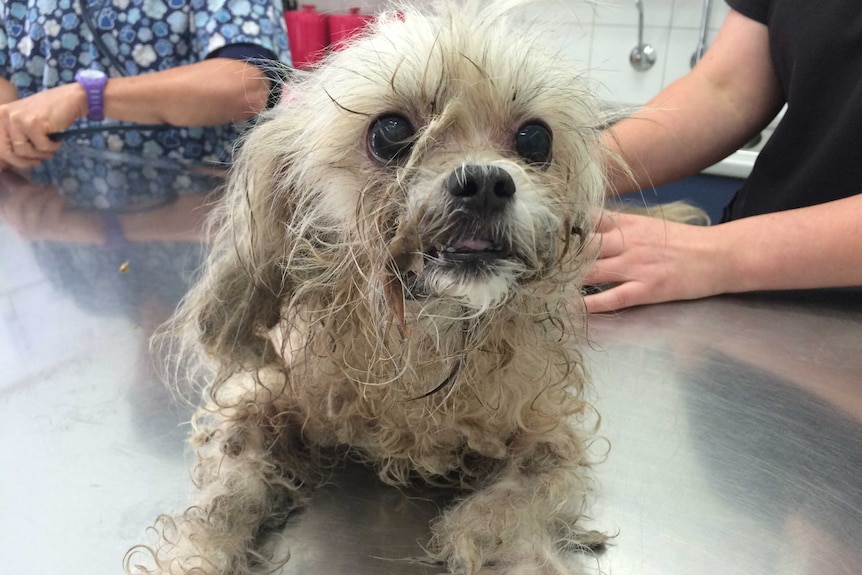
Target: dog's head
{"points": [[442, 156]]}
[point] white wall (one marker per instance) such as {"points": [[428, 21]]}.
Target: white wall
{"points": [[598, 37], [671, 27]]}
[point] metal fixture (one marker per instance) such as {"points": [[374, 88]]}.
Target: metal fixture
{"points": [[702, 34], [642, 56]]}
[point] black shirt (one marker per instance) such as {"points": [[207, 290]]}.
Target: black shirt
{"points": [[815, 154]]}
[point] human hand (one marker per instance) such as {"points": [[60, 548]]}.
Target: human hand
{"points": [[649, 260], [26, 123]]}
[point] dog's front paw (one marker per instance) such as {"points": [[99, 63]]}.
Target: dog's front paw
{"points": [[506, 529]]}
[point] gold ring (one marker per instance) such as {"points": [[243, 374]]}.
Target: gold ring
{"points": [[20, 142]]}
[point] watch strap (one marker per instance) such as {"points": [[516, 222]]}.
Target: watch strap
{"points": [[94, 87]]}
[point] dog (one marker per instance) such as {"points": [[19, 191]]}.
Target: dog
{"points": [[395, 277]]}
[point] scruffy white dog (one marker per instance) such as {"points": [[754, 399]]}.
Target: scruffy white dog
{"points": [[396, 278]]}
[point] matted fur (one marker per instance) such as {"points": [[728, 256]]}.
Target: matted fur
{"points": [[325, 324]]}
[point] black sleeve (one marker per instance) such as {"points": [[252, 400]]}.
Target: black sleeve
{"points": [[244, 51], [757, 10], [276, 71]]}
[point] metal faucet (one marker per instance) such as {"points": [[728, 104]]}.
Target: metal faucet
{"points": [[642, 56], [701, 37]]}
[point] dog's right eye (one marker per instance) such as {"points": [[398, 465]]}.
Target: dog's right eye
{"points": [[390, 139]]}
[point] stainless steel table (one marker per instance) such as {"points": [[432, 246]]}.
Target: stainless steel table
{"points": [[734, 424]]}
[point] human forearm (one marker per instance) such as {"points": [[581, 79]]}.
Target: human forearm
{"points": [[678, 134], [216, 91], [704, 116], [813, 247]]}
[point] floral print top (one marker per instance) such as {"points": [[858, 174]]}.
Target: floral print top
{"points": [[43, 43]]}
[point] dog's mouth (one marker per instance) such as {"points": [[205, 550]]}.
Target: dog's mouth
{"points": [[473, 250]]}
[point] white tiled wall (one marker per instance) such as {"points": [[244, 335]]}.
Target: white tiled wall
{"points": [[671, 26], [598, 36]]}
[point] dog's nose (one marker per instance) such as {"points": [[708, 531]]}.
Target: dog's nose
{"points": [[483, 189]]}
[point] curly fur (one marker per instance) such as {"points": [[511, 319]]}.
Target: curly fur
{"points": [[326, 319]]}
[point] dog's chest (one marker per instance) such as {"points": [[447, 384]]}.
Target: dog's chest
{"points": [[479, 408]]}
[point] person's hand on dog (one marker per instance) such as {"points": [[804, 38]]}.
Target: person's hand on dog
{"points": [[647, 260], [25, 124]]}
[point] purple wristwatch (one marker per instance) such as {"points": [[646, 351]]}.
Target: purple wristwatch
{"points": [[93, 82]]}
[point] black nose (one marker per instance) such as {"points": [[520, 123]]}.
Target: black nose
{"points": [[481, 188]]}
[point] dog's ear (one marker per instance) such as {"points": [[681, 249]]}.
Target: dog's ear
{"points": [[232, 307]]}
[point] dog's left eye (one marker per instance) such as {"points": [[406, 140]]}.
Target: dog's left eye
{"points": [[533, 143], [390, 138]]}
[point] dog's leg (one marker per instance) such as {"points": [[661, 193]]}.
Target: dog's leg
{"points": [[525, 520], [248, 478]]}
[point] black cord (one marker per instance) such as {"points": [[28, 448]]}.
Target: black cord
{"points": [[96, 128], [97, 39], [115, 62]]}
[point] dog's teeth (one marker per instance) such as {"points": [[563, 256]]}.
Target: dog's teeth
{"points": [[473, 246]]}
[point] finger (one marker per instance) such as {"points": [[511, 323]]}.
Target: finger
{"points": [[29, 149], [24, 148], [42, 143], [9, 141], [606, 271], [10, 157], [610, 244], [20, 146], [606, 222], [619, 297]]}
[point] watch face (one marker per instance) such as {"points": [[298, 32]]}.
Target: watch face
{"points": [[91, 74]]}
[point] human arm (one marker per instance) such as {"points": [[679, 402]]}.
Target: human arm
{"points": [[208, 93], [212, 92], [651, 261], [701, 118]]}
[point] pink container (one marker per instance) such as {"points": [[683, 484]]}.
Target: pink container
{"points": [[307, 34], [342, 27]]}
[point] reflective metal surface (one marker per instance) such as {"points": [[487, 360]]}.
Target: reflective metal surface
{"points": [[734, 424]]}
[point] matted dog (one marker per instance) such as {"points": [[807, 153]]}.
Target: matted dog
{"points": [[396, 278]]}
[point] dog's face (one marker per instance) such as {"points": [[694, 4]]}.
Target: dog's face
{"points": [[449, 146]]}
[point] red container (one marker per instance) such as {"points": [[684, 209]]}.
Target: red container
{"points": [[307, 34], [342, 27]]}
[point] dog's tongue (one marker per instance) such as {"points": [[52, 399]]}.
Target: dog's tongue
{"points": [[473, 246]]}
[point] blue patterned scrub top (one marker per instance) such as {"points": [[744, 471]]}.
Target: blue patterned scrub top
{"points": [[43, 43]]}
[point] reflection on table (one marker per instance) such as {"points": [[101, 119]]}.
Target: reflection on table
{"points": [[734, 423]]}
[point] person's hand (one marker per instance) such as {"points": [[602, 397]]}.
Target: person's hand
{"points": [[26, 123], [648, 260]]}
